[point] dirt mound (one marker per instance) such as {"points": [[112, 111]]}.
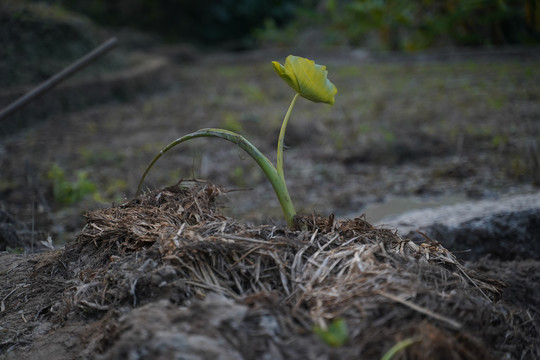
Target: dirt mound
{"points": [[165, 276]]}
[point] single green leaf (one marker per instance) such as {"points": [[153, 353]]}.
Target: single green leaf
{"points": [[336, 335], [307, 78]]}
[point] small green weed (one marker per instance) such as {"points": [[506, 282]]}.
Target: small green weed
{"points": [[335, 335], [398, 347], [66, 192]]}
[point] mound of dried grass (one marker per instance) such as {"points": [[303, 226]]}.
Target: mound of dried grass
{"points": [[174, 243]]}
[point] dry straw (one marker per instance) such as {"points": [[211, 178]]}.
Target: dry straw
{"points": [[323, 271], [175, 240]]}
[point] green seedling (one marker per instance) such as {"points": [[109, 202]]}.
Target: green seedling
{"points": [[310, 81], [389, 355], [335, 335], [68, 192]]}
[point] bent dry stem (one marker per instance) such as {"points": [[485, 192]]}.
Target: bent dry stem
{"points": [[275, 178]]}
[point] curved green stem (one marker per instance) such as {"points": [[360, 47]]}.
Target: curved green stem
{"points": [[279, 163], [398, 347], [277, 181]]}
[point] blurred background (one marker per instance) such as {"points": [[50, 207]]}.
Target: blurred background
{"points": [[33, 30], [383, 24], [438, 103]]}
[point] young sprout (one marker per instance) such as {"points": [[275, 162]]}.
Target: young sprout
{"points": [[335, 335], [310, 81], [389, 355]]}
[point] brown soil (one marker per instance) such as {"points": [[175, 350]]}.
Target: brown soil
{"points": [[122, 287], [166, 276]]}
